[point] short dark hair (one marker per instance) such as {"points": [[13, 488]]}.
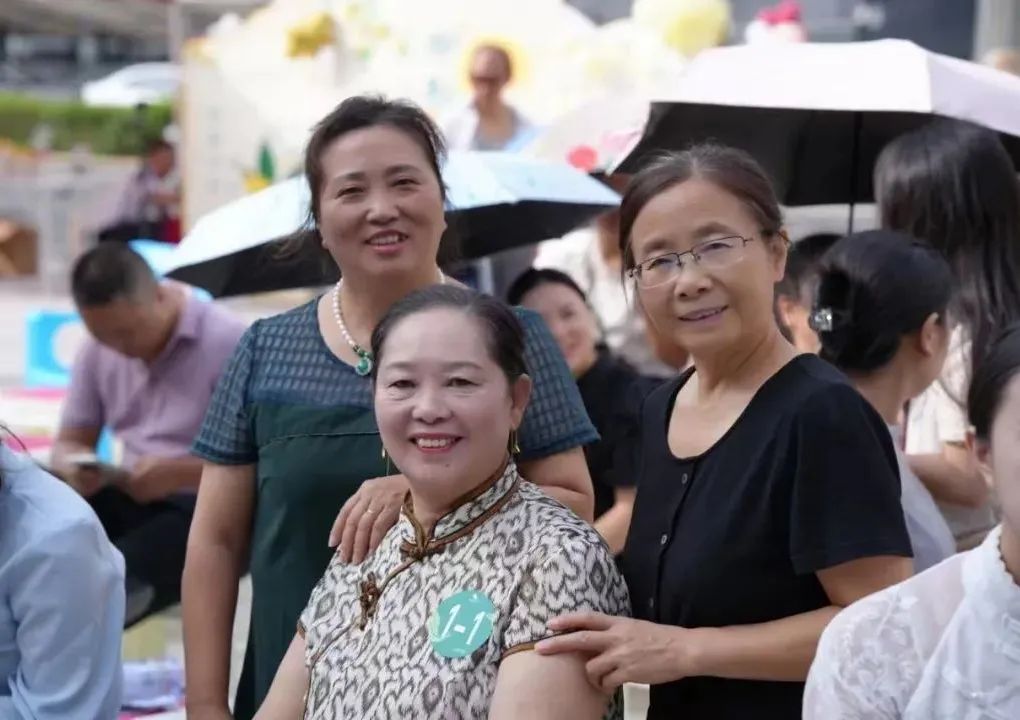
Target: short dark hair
{"points": [[802, 264], [731, 169], [108, 272], [357, 113], [504, 335], [876, 287], [534, 277], [997, 368], [366, 111], [953, 184]]}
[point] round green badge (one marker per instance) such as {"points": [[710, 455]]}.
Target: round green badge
{"points": [[461, 624]]}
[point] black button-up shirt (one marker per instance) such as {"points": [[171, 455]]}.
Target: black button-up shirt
{"points": [[806, 479]]}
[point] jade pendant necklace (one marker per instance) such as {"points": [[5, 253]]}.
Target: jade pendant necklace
{"points": [[365, 360]]}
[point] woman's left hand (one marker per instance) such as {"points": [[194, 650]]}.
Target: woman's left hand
{"points": [[623, 650]]}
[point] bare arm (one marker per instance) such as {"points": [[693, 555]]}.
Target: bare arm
{"points": [[540, 687], [285, 700], [217, 549], [951, 476], [73, 440], [626, 650], [564, 476], [615, 522], [783, 649]]}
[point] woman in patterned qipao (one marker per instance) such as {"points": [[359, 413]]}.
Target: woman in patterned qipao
{"points": [[441, 620]]}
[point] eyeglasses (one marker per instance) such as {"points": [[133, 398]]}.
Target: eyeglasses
{"points": [[714, 254]]}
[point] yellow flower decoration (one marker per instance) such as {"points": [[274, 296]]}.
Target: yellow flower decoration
{"points": [[687, 26], [306, 38]]}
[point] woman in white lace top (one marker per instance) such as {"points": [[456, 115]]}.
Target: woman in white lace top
{"points": [[946, 643]]}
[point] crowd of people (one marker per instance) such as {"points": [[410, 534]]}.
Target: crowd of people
{"points": [[797, 497]]}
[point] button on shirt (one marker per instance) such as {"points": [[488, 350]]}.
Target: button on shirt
{"points": [[155, 410], [806, 479]]}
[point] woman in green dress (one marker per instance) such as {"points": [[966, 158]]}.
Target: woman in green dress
{"points": [[290, 436]]}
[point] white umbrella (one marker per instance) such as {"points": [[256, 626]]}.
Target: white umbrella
{"points": [[817, 115], [496, 201]]}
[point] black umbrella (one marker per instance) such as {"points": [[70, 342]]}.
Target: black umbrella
{"points": [[817, 116]]}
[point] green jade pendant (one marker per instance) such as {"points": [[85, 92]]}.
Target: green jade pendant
{"points": [[365, 364]]}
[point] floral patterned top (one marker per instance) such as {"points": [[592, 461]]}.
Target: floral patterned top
{"points": [[943, 645], [420, 628]]}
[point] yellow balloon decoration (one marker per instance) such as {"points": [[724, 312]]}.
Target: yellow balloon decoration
{"points": [[308, 37], [687, 26]]}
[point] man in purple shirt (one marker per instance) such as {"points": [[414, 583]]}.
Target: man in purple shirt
{"points": [[147, 374]]}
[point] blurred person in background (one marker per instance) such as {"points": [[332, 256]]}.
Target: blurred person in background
{"points": [[489, 122], [591, 257], [611, 389], [149, 206], [291, 438], [795, 292], [954, 184], [880, 312], [61, 600], [946, 643], [147, 373]]}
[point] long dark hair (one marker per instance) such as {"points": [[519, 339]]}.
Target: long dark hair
{"points": [[999, 365], [504, 336], [953, 184], [733, 170], [874, 288]]}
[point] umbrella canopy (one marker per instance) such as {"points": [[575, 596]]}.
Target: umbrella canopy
{"points": [[817, 115], [496, 201]]}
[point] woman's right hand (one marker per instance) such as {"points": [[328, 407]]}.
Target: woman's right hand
{"points": [[367, 516]]}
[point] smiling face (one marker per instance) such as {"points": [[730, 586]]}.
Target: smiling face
{"points": [[445, 408], [380, 203], [707, 310], [570, 320]]}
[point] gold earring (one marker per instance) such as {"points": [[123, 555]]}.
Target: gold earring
{"points": [[512, 444]]}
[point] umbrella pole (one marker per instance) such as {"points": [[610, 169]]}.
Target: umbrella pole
{"points": [[855, 162]]}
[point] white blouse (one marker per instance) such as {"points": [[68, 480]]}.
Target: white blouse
{"points": [[944, 645]]}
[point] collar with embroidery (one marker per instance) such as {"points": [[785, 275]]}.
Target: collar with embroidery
{"points": [[468, 513]]}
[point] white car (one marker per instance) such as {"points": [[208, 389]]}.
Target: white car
{"points": [[144, 83]]}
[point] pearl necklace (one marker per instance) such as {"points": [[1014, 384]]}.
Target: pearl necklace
{"points": [[365, 360]]}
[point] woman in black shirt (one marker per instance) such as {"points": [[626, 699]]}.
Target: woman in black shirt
{"points": [[611, 389], [768, 495]]}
